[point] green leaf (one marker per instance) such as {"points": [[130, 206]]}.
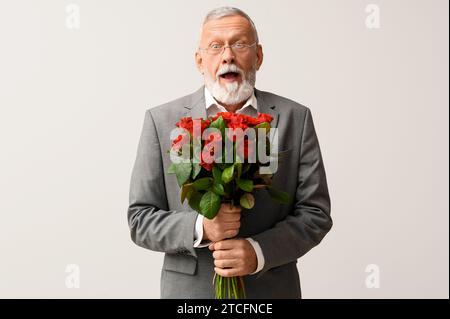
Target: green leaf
{"points": [[245, 184], [210, 204], [222, 166], [194, 201], [227, 174], [183, 172], [196, 168], [239, 169], [218, 189], [219, 124], [247, 201], [171, 169], [186, 192], [264, 125], [217, 174], [203, 183], [190, 192], [279, 196], [196, 149]]}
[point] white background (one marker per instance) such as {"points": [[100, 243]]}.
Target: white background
{"points": [[72, 104]]}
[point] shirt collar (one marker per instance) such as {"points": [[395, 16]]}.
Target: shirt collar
{"points": [[210, 101]]}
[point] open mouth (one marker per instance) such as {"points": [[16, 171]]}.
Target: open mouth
{"points": [[230, 76]]}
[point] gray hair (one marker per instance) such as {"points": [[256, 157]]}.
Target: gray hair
{"points": [[227, 12]]}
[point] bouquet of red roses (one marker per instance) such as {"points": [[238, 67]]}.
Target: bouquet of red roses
{"points": [[224, 158]]}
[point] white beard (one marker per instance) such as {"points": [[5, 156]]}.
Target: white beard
{"points": [[231, 93]]}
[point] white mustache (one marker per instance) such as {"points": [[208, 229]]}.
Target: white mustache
{"points": [[229, 68]]}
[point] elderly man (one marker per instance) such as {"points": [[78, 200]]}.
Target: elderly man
{"points": [[261, 244]]}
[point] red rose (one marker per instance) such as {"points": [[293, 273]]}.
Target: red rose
{"points": [[214, 137], [252, 121], [238, 122], [225, 115], [213, 142], [179, 141], [207, 157], [235, 121], [236, 130], [263, 117], [204, 124], [243, 119], [186, 123]]}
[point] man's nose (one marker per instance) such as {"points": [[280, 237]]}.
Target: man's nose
{"points": [[228, 56]]}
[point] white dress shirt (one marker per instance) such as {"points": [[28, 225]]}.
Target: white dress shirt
{"points": [[212, 108]]}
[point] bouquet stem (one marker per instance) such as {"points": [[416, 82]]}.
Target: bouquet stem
{"points": [[229, 287]]}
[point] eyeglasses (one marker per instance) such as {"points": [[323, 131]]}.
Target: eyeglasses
{"points": [[216, 48]]}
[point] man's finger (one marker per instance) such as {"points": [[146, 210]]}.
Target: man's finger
{"points": [[228, 209], [226, 263], [232, 211], [232, 224], [225, 244], [225, 254], [231, 272], [227, 218]]}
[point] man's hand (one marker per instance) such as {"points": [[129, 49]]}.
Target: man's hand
{"points": [[234, 257], [224, 225]]}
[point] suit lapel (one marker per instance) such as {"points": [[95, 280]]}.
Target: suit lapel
{"points": [[197, 106], [264, 106]]}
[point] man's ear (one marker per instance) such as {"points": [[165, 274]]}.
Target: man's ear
{"points": [[259, 56], [198, 61]]}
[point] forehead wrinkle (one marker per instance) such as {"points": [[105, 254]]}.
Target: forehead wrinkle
{"points": [[227, 35], [218, 28]]}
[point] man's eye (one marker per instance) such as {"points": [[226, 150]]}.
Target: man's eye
{"points": [[239, 45], [215, 46]]}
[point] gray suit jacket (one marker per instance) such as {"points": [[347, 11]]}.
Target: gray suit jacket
{"points": [[159, 222]]}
